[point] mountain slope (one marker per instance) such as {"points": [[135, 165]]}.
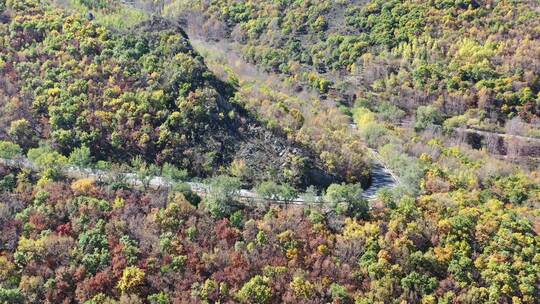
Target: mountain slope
{"points": [[456, 55], [141, 92]]}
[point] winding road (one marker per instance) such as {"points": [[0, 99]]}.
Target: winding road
{"points": [[224, 53]]}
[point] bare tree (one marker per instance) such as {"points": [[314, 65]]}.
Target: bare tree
{"points": [[515, 126]]}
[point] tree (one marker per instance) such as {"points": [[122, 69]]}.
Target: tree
{"points": [[339, 293], [310, 196], [48, 161], [237, 219], [173, 173], [11, 295], [240, 169], [349, 194], [95, 246], [80, 157], [302, 288], [188, 193], [8, 183], [268, 190], [159, 298], [256, 290], [145, 172], [131, 278], [83, 186], [271, 191], [416, 284], [222, 192], [374, 134], [427, 116], [21, 132]]}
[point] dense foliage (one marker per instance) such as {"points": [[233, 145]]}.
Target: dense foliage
{"points": [[466, 240]]}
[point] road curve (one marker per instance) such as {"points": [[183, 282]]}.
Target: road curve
{"points": [[381, 177]]}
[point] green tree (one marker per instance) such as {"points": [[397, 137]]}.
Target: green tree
{"points": [[173, 173], [416, 285], [427, 116], [222, 192], [237, 219], [80, 157], [339, 293], [9, 150], [145, 172], [349, 194], [22, 133], [11, 296], [256, 290], [272, 191], [48, 161], [159, 298]]}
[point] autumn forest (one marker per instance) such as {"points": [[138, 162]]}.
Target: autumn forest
{"points": [[269, 151]]}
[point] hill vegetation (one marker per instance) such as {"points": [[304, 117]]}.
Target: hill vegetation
{"points": [[85, 84], [143, 91]]}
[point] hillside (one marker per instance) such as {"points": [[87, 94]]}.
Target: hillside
{"points": [[454, 55], [141, 92]]}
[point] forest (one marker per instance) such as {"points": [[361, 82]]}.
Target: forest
{"points": [[221, 151]]}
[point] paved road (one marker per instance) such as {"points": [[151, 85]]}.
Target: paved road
{"points": [[382, 177], [504, 135]]}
